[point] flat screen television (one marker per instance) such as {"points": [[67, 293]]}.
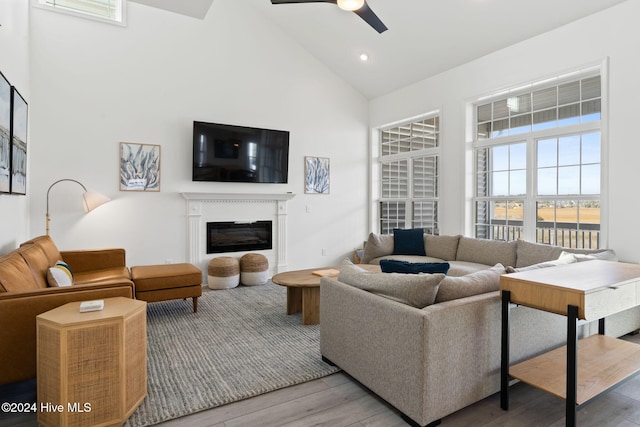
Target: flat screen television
{"points": [[228, 153]]}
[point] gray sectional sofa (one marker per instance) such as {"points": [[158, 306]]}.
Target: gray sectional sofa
{"points": [[431, 361]]}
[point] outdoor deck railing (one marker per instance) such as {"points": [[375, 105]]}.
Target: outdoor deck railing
{"points": [[567, 235]]}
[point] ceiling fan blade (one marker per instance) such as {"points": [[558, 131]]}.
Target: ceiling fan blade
{"points": [[303, 1], [370, 18]]}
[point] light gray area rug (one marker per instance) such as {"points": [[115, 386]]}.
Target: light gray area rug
{"points": [[240, 344]]}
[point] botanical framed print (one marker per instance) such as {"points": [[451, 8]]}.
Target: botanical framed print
{"points": [[19, 117], [139, 167], [5, 137], [316, 172]]}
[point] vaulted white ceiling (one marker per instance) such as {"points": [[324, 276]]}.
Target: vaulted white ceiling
{"points": [[425, 37], [193, 8]]}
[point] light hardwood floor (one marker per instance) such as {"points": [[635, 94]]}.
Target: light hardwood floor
{"points": [[337, 400]]}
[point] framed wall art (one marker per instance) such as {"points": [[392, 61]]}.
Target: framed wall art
{"points": [[316, 172], [139, 167], [5, 137], [18, 132]]}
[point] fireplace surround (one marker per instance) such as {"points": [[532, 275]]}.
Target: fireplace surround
{"points": [[236, 207]]}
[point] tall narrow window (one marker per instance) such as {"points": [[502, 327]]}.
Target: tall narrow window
{"points": [[538, 163], [567, 202], [501, 190], [409, 173]]}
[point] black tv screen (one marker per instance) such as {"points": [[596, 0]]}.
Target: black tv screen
{"points": [[229, 153]]}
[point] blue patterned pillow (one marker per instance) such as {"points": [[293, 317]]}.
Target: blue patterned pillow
{"points": [[408, 242], [396, 266]]}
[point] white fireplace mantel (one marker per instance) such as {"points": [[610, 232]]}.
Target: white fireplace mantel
{"points": [[237, 196], [203, 207]]}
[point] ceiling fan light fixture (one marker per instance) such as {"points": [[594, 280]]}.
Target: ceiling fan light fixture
{"points": [[350, 5]]}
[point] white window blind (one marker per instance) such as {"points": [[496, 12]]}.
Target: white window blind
{"points": [[556, 106], [108, 10]]}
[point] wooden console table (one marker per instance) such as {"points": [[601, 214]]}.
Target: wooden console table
{"points": [[92, 367], [588, 291]]}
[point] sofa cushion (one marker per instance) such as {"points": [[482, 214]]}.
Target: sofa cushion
{"points": [[443, 247], [476, 283], [529, 253], [396, 266], [15, 274], [606, 255], [408, 242], [417, 290], [101, 276], [485, 251], [461, 268], [48, 247], [564, 258], [377, 245], [37, 261]]}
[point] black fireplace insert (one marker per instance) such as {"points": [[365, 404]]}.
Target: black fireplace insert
{"points": [[238, 236]]}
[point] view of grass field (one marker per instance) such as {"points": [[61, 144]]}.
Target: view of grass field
{"points": [[587, 215], [562, 214], [555, 226]]}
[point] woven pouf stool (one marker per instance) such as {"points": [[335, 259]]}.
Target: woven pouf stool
{"points": [[224, 273], [254, 269]]}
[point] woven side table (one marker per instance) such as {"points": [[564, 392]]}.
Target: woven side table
{"points": [[94, 364], [254, 269], [224, 273]]}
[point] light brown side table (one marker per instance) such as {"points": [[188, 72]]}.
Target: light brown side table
{"points": [[92, 367], [303, 290], [588, 291]]}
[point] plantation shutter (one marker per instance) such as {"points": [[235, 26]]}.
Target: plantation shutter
{"points": [[409, 167]]}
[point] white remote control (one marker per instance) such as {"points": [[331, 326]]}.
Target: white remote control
{"points": [[91, 305]]}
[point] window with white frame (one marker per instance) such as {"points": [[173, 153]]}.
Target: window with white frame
{"points": [[538, 163], [409, 172], [104, 10]]}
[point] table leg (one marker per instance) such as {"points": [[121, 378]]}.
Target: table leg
{"points": [[310, 306], [504, 362], [294, 300], [572, 365]]}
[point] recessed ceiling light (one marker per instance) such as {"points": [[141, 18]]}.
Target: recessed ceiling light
{"points": [[364, 57]]}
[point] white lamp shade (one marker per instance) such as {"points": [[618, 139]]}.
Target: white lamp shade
{"points": [[92, 200], [350, 5]]}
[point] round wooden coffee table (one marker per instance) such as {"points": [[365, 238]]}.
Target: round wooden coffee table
{"points": [[303, 290]]}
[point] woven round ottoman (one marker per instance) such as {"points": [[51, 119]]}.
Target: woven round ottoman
{"points": [[254, 269], [224, 273]]}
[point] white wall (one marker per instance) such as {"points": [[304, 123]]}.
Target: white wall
{"points": [[14, 64], [94, 85], [611, 34]]}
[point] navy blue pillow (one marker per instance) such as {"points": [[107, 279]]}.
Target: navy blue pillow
{"points": [[408, 242], [396, 266]]}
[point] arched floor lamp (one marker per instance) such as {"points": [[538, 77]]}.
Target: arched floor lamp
{"points": [[90, 199]]}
